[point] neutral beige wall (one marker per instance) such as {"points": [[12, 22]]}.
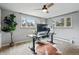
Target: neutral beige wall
{"points": [[68, 33], [19, 34]]}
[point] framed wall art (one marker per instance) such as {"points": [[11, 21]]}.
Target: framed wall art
{"points": [[63, 22], [27, 23]]}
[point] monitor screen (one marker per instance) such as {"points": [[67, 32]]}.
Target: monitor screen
{"points": [[42, 27]]}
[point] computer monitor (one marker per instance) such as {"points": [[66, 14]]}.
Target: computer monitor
{"points": [[43, 30], [42, 27]]}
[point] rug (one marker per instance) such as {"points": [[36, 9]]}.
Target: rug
{"points": [[44, 48]]}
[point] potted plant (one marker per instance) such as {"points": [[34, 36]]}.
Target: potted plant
{"points": [[9, 25]]}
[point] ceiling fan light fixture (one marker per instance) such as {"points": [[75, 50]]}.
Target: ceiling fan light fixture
{"points": [[45, 10]]}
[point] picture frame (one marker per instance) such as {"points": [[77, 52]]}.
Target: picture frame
{"points": [[59, 23], [68, 22], [63, 22], [27, 23]]}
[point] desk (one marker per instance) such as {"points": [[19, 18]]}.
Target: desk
{"points": [[52, 36], [33, 42], [35, 37]]}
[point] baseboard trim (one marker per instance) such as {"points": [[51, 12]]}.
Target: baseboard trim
{"points": [[65, 40], [6, 46]]}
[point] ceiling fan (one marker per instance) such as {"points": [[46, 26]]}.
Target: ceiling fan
{"points": [[46, 7]]}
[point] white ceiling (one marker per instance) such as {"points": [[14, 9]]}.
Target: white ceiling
{"points": [[29, 8]]}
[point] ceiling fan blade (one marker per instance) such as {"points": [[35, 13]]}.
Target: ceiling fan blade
{"points": [[49, 5], [37, 9]]}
